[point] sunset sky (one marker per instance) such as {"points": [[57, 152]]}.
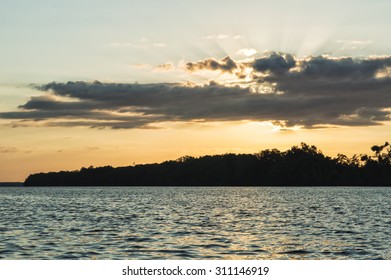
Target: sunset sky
{"points": [[118, 82]]}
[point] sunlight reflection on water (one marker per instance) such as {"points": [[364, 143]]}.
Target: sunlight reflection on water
{"points": [[195, 223]]}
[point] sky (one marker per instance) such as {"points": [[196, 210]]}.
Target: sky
{"points": [[94, 83]]}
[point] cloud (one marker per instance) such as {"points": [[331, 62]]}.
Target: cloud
{"points": [[384, 73], [222, 36], [140, 66], [224, 65], [274, 62], [308, 92], [160, 45], [215, 36], [344, 67], [247, 51], [164, 67], [7, 150], [354, 44], [237, 37]]}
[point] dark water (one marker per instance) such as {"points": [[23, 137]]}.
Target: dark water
{"points": [[195, 223]]}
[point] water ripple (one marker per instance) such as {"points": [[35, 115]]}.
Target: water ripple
{"points": [[195, 223]]}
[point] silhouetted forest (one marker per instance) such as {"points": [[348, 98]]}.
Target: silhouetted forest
{"points": [[302, 165], [11, 184]]}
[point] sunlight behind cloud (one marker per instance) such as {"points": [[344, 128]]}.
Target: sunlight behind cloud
{"points": [[384, 73], [247, 51]]}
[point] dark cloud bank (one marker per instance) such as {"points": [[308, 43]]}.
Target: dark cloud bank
{"points": [[309, 92]]}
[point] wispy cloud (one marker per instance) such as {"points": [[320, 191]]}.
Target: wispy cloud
{"points": [[247, 51], [354, 44], [238, 37], [215, 36], [224, 65], [141, 66], [307, 92], [222, 36], [159, 45], [7, 150], [166, 67]]}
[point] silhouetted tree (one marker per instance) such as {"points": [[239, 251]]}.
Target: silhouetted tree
{"points": [[301, 165]]}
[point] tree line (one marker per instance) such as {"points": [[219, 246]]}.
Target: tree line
{"points": [[303, 165]]}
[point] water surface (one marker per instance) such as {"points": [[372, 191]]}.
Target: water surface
{"points": [[195, 223]]}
